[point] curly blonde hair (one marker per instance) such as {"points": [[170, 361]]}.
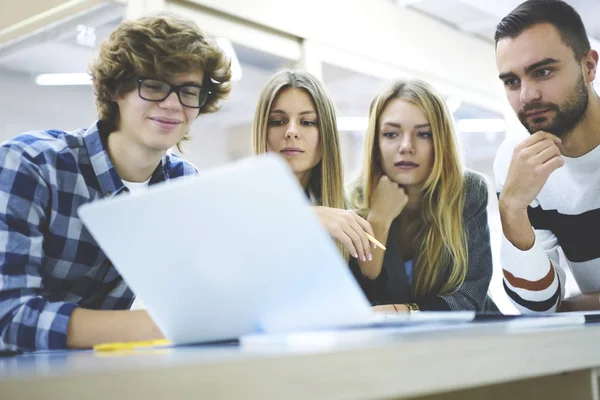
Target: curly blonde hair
{"points": [[159, 46]]}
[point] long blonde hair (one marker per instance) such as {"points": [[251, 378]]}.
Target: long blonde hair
{"points": [[326, 183], [443, 193]]}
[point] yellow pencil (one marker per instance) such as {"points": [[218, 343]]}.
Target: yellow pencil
{"points": [[375, 241], [131, 345]]}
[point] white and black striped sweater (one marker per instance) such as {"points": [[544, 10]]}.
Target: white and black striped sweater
{"points": [[565, 216]]}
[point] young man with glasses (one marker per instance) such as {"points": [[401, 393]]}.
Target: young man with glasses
{"points": [[152, 78]]}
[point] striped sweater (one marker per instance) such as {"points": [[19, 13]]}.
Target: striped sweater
{"points": [[566, 218]]}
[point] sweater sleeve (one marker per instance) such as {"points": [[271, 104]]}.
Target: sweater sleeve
{"points": [[533, 279]]}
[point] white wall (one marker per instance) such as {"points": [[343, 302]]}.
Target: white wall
{"points": [[25, 106], [381, 31]]}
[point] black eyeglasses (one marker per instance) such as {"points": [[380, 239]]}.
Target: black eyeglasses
{"points": [[192, 96]]}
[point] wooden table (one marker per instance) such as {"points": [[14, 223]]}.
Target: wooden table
{"points": [[474, 361]]}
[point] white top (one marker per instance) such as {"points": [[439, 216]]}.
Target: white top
{"points": [[566, 217], [136, 187]]}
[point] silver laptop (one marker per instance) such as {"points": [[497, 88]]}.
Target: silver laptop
{"points": [[233, 251]]}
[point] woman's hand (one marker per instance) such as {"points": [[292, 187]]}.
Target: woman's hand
{"points": [[391, 308], [387, 201], [349, 228]]}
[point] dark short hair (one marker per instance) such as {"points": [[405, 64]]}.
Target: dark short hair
{"points": [[556, 12]]}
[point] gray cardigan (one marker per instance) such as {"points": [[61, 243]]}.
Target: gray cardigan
{"points": [[392, 285]]}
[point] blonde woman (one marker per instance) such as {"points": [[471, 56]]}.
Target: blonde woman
{"points": [[414, 192], [295, 117]]}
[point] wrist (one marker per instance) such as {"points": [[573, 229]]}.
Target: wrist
{"points": [[516, 226], [379, 222], [400, 308], [509, 207], [512, 213]]}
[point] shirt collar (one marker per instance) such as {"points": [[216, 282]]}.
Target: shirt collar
{"points": [[108, 178]]}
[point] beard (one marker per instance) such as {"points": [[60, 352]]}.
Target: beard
{"points": [[569, 114]]}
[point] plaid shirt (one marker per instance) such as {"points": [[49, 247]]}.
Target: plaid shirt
{"points": [[49, 263]]}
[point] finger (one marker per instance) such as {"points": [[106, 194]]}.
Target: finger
{"points": [[552, 165], [385, 180], [541, 135], [348, 236], [546, 155], [544, 172], [364, 224], [404, 201], [347, 242], [366, 245], [357, 242], [403, 196], [538, 147], [555, 138], [533, 140]]}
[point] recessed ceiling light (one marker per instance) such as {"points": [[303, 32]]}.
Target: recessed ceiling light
{"points": [[65, 79]]}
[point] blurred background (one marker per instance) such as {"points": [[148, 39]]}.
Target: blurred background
{"points": [[354, 46]]}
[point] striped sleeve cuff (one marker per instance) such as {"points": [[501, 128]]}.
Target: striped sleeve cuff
{"points": [[530, 279], [531, 265]]}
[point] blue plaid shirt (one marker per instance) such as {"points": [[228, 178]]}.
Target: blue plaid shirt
{"points": [[49, 263]]}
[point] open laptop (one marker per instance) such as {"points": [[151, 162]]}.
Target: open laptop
{"points": [[233, 251]]}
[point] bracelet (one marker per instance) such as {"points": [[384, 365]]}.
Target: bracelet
{"points": [[412, 307]]}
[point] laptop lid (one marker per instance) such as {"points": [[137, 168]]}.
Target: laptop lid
{"points": [[234, 250]]}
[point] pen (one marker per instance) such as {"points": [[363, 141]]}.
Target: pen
{"points": [[131, 345], [375, 241]]}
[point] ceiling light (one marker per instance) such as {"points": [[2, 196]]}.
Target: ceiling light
{"points": [[63, 79]]}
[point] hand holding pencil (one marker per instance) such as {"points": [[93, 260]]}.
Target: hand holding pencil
{"points": [[353, 231], [375, 242]]}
